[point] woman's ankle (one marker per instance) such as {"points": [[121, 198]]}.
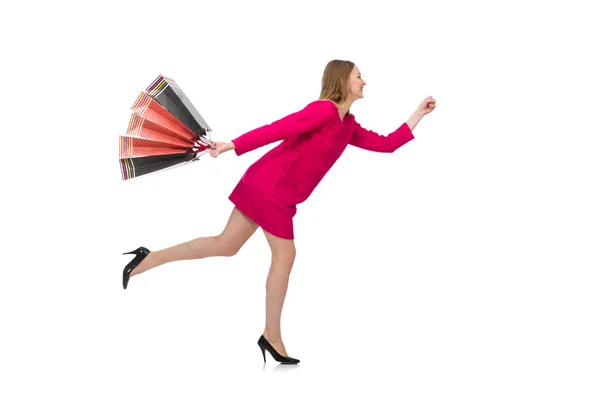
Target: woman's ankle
{"points": [[272, 336]]}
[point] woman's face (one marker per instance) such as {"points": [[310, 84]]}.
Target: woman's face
{"points": [[356, 84]]}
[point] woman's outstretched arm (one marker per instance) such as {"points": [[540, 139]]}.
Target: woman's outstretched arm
{"points": [[311, 118], [370, 140]]}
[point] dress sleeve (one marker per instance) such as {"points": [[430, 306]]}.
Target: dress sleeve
{"points": [[369, 140], [314, 116]]}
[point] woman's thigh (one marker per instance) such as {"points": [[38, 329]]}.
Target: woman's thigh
{"points": [[238, 230]]}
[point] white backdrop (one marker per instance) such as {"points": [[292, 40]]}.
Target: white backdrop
{"points": [[465, 263]]}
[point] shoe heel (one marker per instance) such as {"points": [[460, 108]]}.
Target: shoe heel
{"points": [[263, 352], [137, 251]]}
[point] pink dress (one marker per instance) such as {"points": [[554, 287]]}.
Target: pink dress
{"points": [[313, 139]]}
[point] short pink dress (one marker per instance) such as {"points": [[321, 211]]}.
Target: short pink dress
{"points": [[312, 141]]}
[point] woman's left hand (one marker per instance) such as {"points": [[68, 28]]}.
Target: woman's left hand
{"points": [[426, 106], [220, 147]]}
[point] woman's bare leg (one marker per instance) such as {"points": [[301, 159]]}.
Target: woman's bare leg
{"points": [[238, 230], [283, 255]]}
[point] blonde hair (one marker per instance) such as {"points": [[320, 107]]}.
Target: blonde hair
{"points": [[334, 83]]}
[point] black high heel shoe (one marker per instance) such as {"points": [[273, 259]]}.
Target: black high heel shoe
{"points": [[140, 254], [264, 344]]}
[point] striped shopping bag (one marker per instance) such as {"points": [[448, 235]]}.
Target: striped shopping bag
{"points": [[165, 130]]}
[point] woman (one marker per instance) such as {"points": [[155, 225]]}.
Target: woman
{"points": [[267, 194]]}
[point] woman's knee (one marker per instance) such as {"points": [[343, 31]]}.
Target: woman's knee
{"points": [[283, 261], [283, 252], [226, 247]]}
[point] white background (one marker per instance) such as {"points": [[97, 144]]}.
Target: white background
{"points": [[464, 264]]}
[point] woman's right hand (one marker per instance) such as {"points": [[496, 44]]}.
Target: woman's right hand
{"points": [[220, 147]]}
